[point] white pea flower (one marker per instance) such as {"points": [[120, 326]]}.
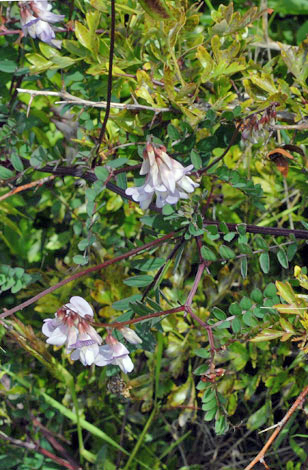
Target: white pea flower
{"points": [[86, 350], [130, 335], [166, 178], [35, 19], [71, 324], [114, 353]]}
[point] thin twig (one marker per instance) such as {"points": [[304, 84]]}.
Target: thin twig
{"points": [[275, 231], [298, 402], [71, 99], [87, 271], [34, 446], [24, 187], [181, 308], [91, 177]]}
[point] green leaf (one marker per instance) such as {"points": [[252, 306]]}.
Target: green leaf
{"points": [[291, 251], [282, 258], [245, 303], [221, 425], [241, 228], [270, 290], [249, 319], [201, 352], [7, 66], [141, 280], [235, 309], [256, 296], [148, 264], [257, 419], [196, 159], [208, 254], [229, 236], [83, 35], [223, 227], [124, 304], [101, 173], [17, 162], [261, 243], [236, 325], [210, 405], [284, 289], [267, 334], [79, 259], [210, 415], [219, 314], [155, 8], [244, 267], [121, 161], [5, 173], [168, 209], [173, 133], [226, 252], [264, 261]]}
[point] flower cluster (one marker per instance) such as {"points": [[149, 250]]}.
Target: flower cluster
{"points": [[166, 178], [71, 327], [255, 128], [35, 19]]}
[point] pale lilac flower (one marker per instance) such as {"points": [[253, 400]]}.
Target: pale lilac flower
{"points": [[71, 324], [166, 178], [114, 353], [86, 350], [130, 335], [35, 19]]}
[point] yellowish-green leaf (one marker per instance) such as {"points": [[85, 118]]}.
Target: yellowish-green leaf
{"points": [[285, 290], [267, 335], [83, 35]]}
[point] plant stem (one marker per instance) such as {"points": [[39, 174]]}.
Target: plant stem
{"points": [[139, 442], [79, 430]]}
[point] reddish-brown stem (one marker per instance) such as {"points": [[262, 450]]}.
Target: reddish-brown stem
{"points": [[98, 267], [181, 308], [194, 288], [206, 326], [188, 308], [298, 402]]}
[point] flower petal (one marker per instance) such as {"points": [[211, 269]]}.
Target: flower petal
{"points": [[80, 306]]}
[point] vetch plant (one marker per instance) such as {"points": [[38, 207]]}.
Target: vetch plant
{"points": [[71, 327], [166, 178]]}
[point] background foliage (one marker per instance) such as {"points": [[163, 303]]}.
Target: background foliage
{"points": [[195, 74]]}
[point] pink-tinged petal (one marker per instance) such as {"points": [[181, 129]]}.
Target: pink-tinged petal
{"points": [[145, 167], [130, 335], [81, 306], [166, 159], [118, 349], [71, 337], [93, 334], [150, 154], [125, 363]]}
